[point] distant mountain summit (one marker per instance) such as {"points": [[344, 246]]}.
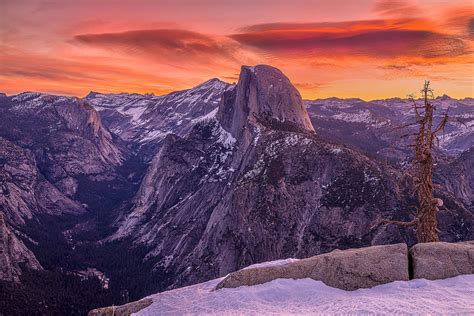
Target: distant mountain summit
{"points": [[144, 120]]}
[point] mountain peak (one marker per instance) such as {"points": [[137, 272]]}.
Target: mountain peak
{"points": [[214, 83], [262, 93], [444, 97]]}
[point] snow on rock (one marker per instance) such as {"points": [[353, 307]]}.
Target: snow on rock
{"points": [[35, 100], [361, 117], [147, 117], [377, 123], [153, 134], [466, 130], [208, 116], [306, 296], [225, 138], [274, 263]]}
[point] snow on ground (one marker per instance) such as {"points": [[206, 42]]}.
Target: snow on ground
{"points": [[306, 296]]}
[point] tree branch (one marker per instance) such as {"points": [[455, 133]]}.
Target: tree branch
{"points": [[399, 223], [415, 107], [442, 124]]}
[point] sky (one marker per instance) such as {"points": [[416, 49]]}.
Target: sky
{"points": [[368, 49]]}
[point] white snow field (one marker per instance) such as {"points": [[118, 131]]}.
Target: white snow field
{"points": [[306, 296]]}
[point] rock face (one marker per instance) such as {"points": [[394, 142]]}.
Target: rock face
{"points": [[53, 151], [263, 94], [440, 260], [24, 191], [65, 136], [13, 253], [347, 269], [457, 176]]}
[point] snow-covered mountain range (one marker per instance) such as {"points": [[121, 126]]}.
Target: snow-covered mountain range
{"points": [[145, 120], [374, 126], [370, 126]]}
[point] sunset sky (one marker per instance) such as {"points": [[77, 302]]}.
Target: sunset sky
{"points": [[345, 48]]}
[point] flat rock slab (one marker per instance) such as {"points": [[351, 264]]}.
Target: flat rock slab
{"points": [[123, 310], [344, 269], [441, 260]]}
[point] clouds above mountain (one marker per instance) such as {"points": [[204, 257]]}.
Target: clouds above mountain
{"points": [[331, 47], [375, 38], [76, 76], [398, 8], [161, 43], [380, 38]]}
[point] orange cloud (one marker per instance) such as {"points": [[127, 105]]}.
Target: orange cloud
{"points": [[397, 8], [169, 45], [376, 39], [460, 20], [36, 72]]}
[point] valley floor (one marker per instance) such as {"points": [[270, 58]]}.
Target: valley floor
{"points": [[306, 296]]}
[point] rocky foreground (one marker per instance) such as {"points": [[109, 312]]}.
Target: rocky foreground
{"points": [[351, 269]]}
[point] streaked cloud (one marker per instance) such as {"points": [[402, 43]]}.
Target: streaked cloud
{"points": [[377, 39], [23, 71], [397, 8], [161, 43]]}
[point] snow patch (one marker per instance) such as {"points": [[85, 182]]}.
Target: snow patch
{"points": [[225, 138], [154, 134], [307, 296], [252, 69], [206, 117]]}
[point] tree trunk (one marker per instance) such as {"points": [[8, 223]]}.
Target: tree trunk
{"points": [[426, 226]]}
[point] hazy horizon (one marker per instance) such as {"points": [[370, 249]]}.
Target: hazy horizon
{"points": [[408, 95]]}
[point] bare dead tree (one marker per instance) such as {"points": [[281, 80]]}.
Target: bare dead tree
{"points": [[422, 168]]}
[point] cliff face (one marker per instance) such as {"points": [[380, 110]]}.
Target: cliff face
{"points": [[59, 142], [263, 94], [52, 150], [24, 191], [257, 184], [457, 177], [13, 253]]}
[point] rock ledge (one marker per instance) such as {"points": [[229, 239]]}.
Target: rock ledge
{"points": [[344, 269]]}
